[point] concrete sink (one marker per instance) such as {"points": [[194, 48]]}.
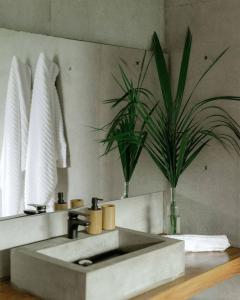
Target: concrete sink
{"points": [[124, 263]]}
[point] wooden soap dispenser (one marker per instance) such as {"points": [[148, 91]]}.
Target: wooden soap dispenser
{"points": [[61, 204], [95, 217]]}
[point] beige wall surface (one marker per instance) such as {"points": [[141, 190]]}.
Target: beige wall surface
{"points": [[117, 22], [209, 190]]}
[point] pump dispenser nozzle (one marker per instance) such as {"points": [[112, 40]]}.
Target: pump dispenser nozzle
{"points": [[95, 203], [60, 198]]}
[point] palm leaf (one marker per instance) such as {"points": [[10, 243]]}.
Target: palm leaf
{"points": [[163, 73], [177, 134], [126, 131], [183, 70], [201, 78]]}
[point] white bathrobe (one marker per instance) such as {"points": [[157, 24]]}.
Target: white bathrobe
{"points": [[47, 148], [15, 135]]}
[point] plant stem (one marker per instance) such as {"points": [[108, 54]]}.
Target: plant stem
{"points": [[126, 190], [173, 213]]}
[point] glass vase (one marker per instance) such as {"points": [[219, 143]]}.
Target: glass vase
{"points": [[126, 190], [173, 214]]}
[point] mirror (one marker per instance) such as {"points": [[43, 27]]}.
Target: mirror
{"points": [[85, 79]]}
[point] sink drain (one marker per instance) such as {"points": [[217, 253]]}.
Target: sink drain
{"points": [[85, 262]]}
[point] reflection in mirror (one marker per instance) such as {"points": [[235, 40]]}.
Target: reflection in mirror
{"points": [[47, 131]]}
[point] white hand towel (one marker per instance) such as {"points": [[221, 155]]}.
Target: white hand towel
{"points": [[202, 243], [15, 135], [46, 143]]}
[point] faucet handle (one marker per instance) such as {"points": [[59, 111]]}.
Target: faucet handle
{"points": [[39, 208], [73, 214], [95, 203], [74, 222]]}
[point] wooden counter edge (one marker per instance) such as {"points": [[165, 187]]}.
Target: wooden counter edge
{"points": [[185, 287]]}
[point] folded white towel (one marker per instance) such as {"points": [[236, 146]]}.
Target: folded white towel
{"points": [[15, 135], [46, 143], [201, 243]]}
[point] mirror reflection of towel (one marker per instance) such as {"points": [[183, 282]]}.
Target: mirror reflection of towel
{"points": [[15, 135], [47, 147]]}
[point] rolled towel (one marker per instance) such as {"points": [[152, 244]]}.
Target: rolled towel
{"points": [[203, 243]]}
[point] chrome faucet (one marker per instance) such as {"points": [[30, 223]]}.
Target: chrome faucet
{"points": [[39, 209], [74, 222]]}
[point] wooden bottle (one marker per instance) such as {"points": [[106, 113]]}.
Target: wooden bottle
{"points": [[108, 216], [95, 218], [76, 203]]}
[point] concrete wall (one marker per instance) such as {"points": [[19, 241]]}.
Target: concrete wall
{"points": [[118, 22], [209, 198]]}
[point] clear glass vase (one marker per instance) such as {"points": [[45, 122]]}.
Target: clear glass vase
{"points": [[126, 190], [173, 214]]}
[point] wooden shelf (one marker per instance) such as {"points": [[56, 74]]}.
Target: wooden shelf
{"points": [[7, 292], [203, 270]]}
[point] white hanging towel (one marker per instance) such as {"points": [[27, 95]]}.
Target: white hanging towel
{"points": [[202, 243], [15, 135], [47, 147]]}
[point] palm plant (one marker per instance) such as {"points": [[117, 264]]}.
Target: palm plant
{"points": [[126, 131], [180, 129]]}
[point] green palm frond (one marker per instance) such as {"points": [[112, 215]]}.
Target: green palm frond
{"points": [[126, 131], [180, 129]]}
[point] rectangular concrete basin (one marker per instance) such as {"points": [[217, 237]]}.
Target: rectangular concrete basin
{"points": [[125, 263]]}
